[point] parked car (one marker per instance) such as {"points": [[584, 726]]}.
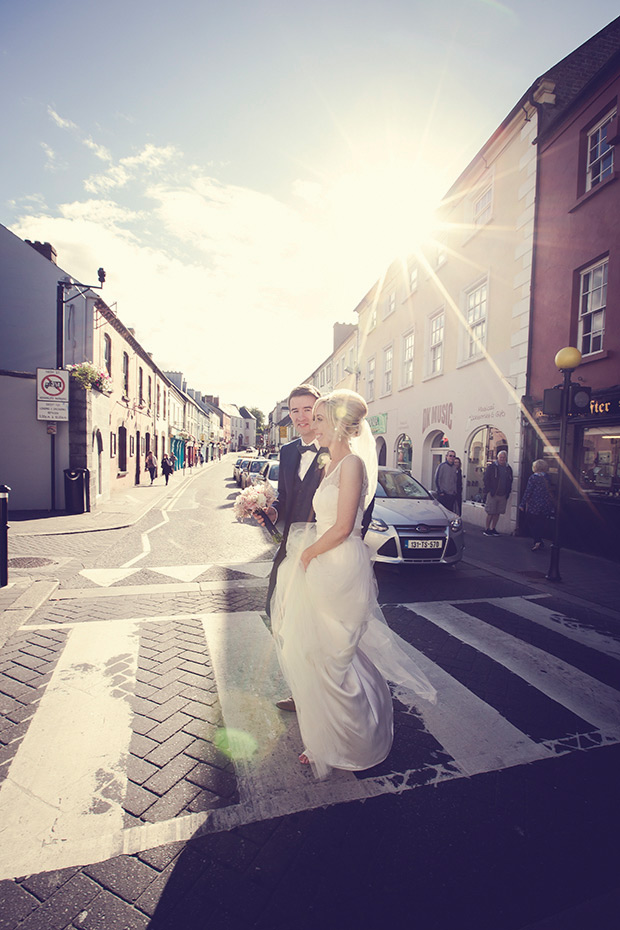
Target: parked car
{"points": [[269, 473], [409, 526], [238, 469], [274, 455], [252, 467], [236, 466]]}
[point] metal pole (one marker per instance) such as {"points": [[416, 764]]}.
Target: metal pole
{"points": [[53, 470], [4, 535], [554, 562], [60, 325]]}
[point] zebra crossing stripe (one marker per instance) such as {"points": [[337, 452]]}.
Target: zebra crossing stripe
{"points": [[67, 779], [578, 692], [536, 611]]}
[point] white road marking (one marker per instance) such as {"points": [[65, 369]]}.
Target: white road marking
{"points": [[67, 780], [182, 572], [554, 620], [107, 576], [578, 692]]}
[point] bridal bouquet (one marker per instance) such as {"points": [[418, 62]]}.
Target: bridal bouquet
{"points": [[255, 499]]}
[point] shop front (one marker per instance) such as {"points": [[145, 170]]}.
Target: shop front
{"points": [[591, 506]]}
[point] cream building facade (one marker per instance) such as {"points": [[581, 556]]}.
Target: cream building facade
{"points": [[444, 335]]}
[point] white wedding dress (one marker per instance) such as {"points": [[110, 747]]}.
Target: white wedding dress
{"points": [[334, 646]]}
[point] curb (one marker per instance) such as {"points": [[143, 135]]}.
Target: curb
{"points": [[23, 607]]}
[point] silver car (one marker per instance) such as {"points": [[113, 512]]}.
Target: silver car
{"points": [[408, 525]]}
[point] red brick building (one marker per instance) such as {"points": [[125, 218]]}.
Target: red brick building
{"points": [[576, 283]]}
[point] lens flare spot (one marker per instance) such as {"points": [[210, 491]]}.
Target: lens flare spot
{"points": [[236, 744]]}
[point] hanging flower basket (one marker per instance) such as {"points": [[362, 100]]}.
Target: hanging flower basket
{"points": [[89, 376]]}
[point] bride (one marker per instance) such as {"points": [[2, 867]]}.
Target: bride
{"points": [[334, 646]]}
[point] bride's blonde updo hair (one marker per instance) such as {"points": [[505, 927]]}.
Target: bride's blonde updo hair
{"points": [[344, 411]]}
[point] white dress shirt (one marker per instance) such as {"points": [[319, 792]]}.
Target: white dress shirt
{"points": [[306, 459]]}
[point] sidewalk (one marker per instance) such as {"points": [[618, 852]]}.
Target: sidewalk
{"points": [[124, 508], [589, 579]]}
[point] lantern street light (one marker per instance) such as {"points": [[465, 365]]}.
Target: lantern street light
{"points": [[566, 361]]}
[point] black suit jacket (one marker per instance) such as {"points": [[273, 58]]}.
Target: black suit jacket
{"points": [[294, 501]]}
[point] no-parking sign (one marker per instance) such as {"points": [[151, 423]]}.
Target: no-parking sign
{"points": [[52, 394]]}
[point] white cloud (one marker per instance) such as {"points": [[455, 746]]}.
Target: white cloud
{"points": [[59, 120], [235, 287]]}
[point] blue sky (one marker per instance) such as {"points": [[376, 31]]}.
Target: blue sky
{"points": [[244, 170]]}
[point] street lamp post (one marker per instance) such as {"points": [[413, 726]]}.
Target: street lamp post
{"points": [[566, 361]]}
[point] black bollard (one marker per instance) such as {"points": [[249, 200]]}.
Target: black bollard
{"points": [[4, 535]]}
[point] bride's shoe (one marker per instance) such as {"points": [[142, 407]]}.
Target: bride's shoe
{"points": [[303, 758]]}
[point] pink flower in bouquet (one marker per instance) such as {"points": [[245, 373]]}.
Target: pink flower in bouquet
{"points": [[256, 499]]}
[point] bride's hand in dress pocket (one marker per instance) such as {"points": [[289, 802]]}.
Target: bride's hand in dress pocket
{"points": [[306, 557]]}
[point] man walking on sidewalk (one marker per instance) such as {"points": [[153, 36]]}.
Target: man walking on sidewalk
{"points": [[497, 487]]}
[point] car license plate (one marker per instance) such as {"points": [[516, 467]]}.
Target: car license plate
{"points": [[424, 543]]}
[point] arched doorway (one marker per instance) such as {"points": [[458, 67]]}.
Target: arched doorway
{"points": [[483, 447], [435, 446], [381, 450], [403, 452]]}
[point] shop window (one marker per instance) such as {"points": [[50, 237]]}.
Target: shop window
{"points": [[599, 468], [483, 448], [404, 452]]}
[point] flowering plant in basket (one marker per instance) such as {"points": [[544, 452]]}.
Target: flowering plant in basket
{"points": [[256, 499]]}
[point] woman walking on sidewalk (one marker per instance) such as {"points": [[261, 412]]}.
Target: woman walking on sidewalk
{"points": [[150, 465], [537, 503]]}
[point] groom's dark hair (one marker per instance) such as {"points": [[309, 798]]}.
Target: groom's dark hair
{"points": [[304, 389]]}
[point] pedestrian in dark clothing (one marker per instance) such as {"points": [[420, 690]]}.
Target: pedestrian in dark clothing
{"points": [[537, 503], [150, 465], [497, 487], [167, 467], [458, 504], [446, 482]]}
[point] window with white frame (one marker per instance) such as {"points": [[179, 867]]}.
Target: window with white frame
{"points": [[407, 359], [388, 360], [370, 379], [337, 372], [476, 317], [413, 278], [373, 318], [435, 347], [483, 204], [600, 158], [592, 304], [390, 304]]}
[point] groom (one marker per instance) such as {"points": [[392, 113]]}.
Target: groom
{"points": [[299, 473]]}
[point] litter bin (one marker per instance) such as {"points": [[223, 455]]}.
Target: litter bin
{"points": [[77, 496]]}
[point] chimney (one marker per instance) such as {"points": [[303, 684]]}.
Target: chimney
{"points": [[45, 249]]}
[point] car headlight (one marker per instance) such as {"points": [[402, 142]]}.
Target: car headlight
{"points": [[378, 525], [456, 525]]}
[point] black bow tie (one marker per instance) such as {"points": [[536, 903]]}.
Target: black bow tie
{"points": [[303, 448]]}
